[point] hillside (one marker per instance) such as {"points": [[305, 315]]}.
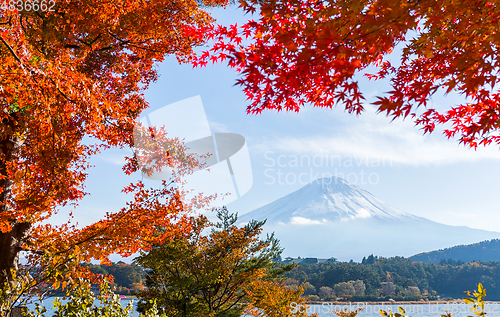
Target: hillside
{"points": [[482, 251], [127, 278], [397, 278]]}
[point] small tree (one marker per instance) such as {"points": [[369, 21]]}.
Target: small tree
{"points": [[309, 289], [388, 288], [326, 292], [274, 299], [412, 290], [216, 273], [359, 287], [344, 288]]}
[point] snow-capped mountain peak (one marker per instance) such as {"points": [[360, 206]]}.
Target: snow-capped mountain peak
{"points": [[331, 217], [326, 200]]}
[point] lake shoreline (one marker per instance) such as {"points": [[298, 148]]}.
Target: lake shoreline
{"points": [[385, 303]]}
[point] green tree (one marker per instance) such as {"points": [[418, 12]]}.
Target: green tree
{"points": [[344, 288], [359, 287], [413, 290], [309, 289], [212, 273], [326, 292]]}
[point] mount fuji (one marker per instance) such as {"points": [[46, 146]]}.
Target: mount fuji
{"points": [[333, 218]]}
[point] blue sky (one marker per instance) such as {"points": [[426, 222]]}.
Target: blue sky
{"points": [[428, 176]]}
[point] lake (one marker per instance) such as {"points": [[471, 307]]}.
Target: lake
{"points": [[413, 310], [420, 310]]}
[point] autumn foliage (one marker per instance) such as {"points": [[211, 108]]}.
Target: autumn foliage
{"points": [[302, 52], [78, 72], [68, 75], [273, 299], [219, 269]]}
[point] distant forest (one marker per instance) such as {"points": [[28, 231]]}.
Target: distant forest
{"points": [[397, 278], [375, 278], [128, 278], [483, 251]]}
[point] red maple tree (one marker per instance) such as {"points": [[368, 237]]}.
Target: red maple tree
{"points": [[309, 52]]}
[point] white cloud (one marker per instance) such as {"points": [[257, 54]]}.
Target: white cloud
{"points": [[305, 221], [363, 213], [372, 137]]}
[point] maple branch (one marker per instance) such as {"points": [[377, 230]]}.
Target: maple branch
{"points": [[40, 14], [122, 42], [356, 39], [98, 36], [100, 232], [235, 286], [326, 53], [349, 41], [130, 44], [229, 293], [8, 22], [13, 53], [84, 42], [116, 125], [21, 23], [26, 20], [44, 278], [60, 91]]}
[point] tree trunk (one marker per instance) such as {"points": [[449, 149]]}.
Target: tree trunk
{"points": [[17, 311], [11, 241], [10, 246]]}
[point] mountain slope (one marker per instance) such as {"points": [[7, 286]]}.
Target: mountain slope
{"points": [[333, 218], [482, 251], [328, 200]]}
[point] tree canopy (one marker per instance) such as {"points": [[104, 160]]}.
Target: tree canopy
{"points": [[71, 82], [302, 52], [218, 269]]}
